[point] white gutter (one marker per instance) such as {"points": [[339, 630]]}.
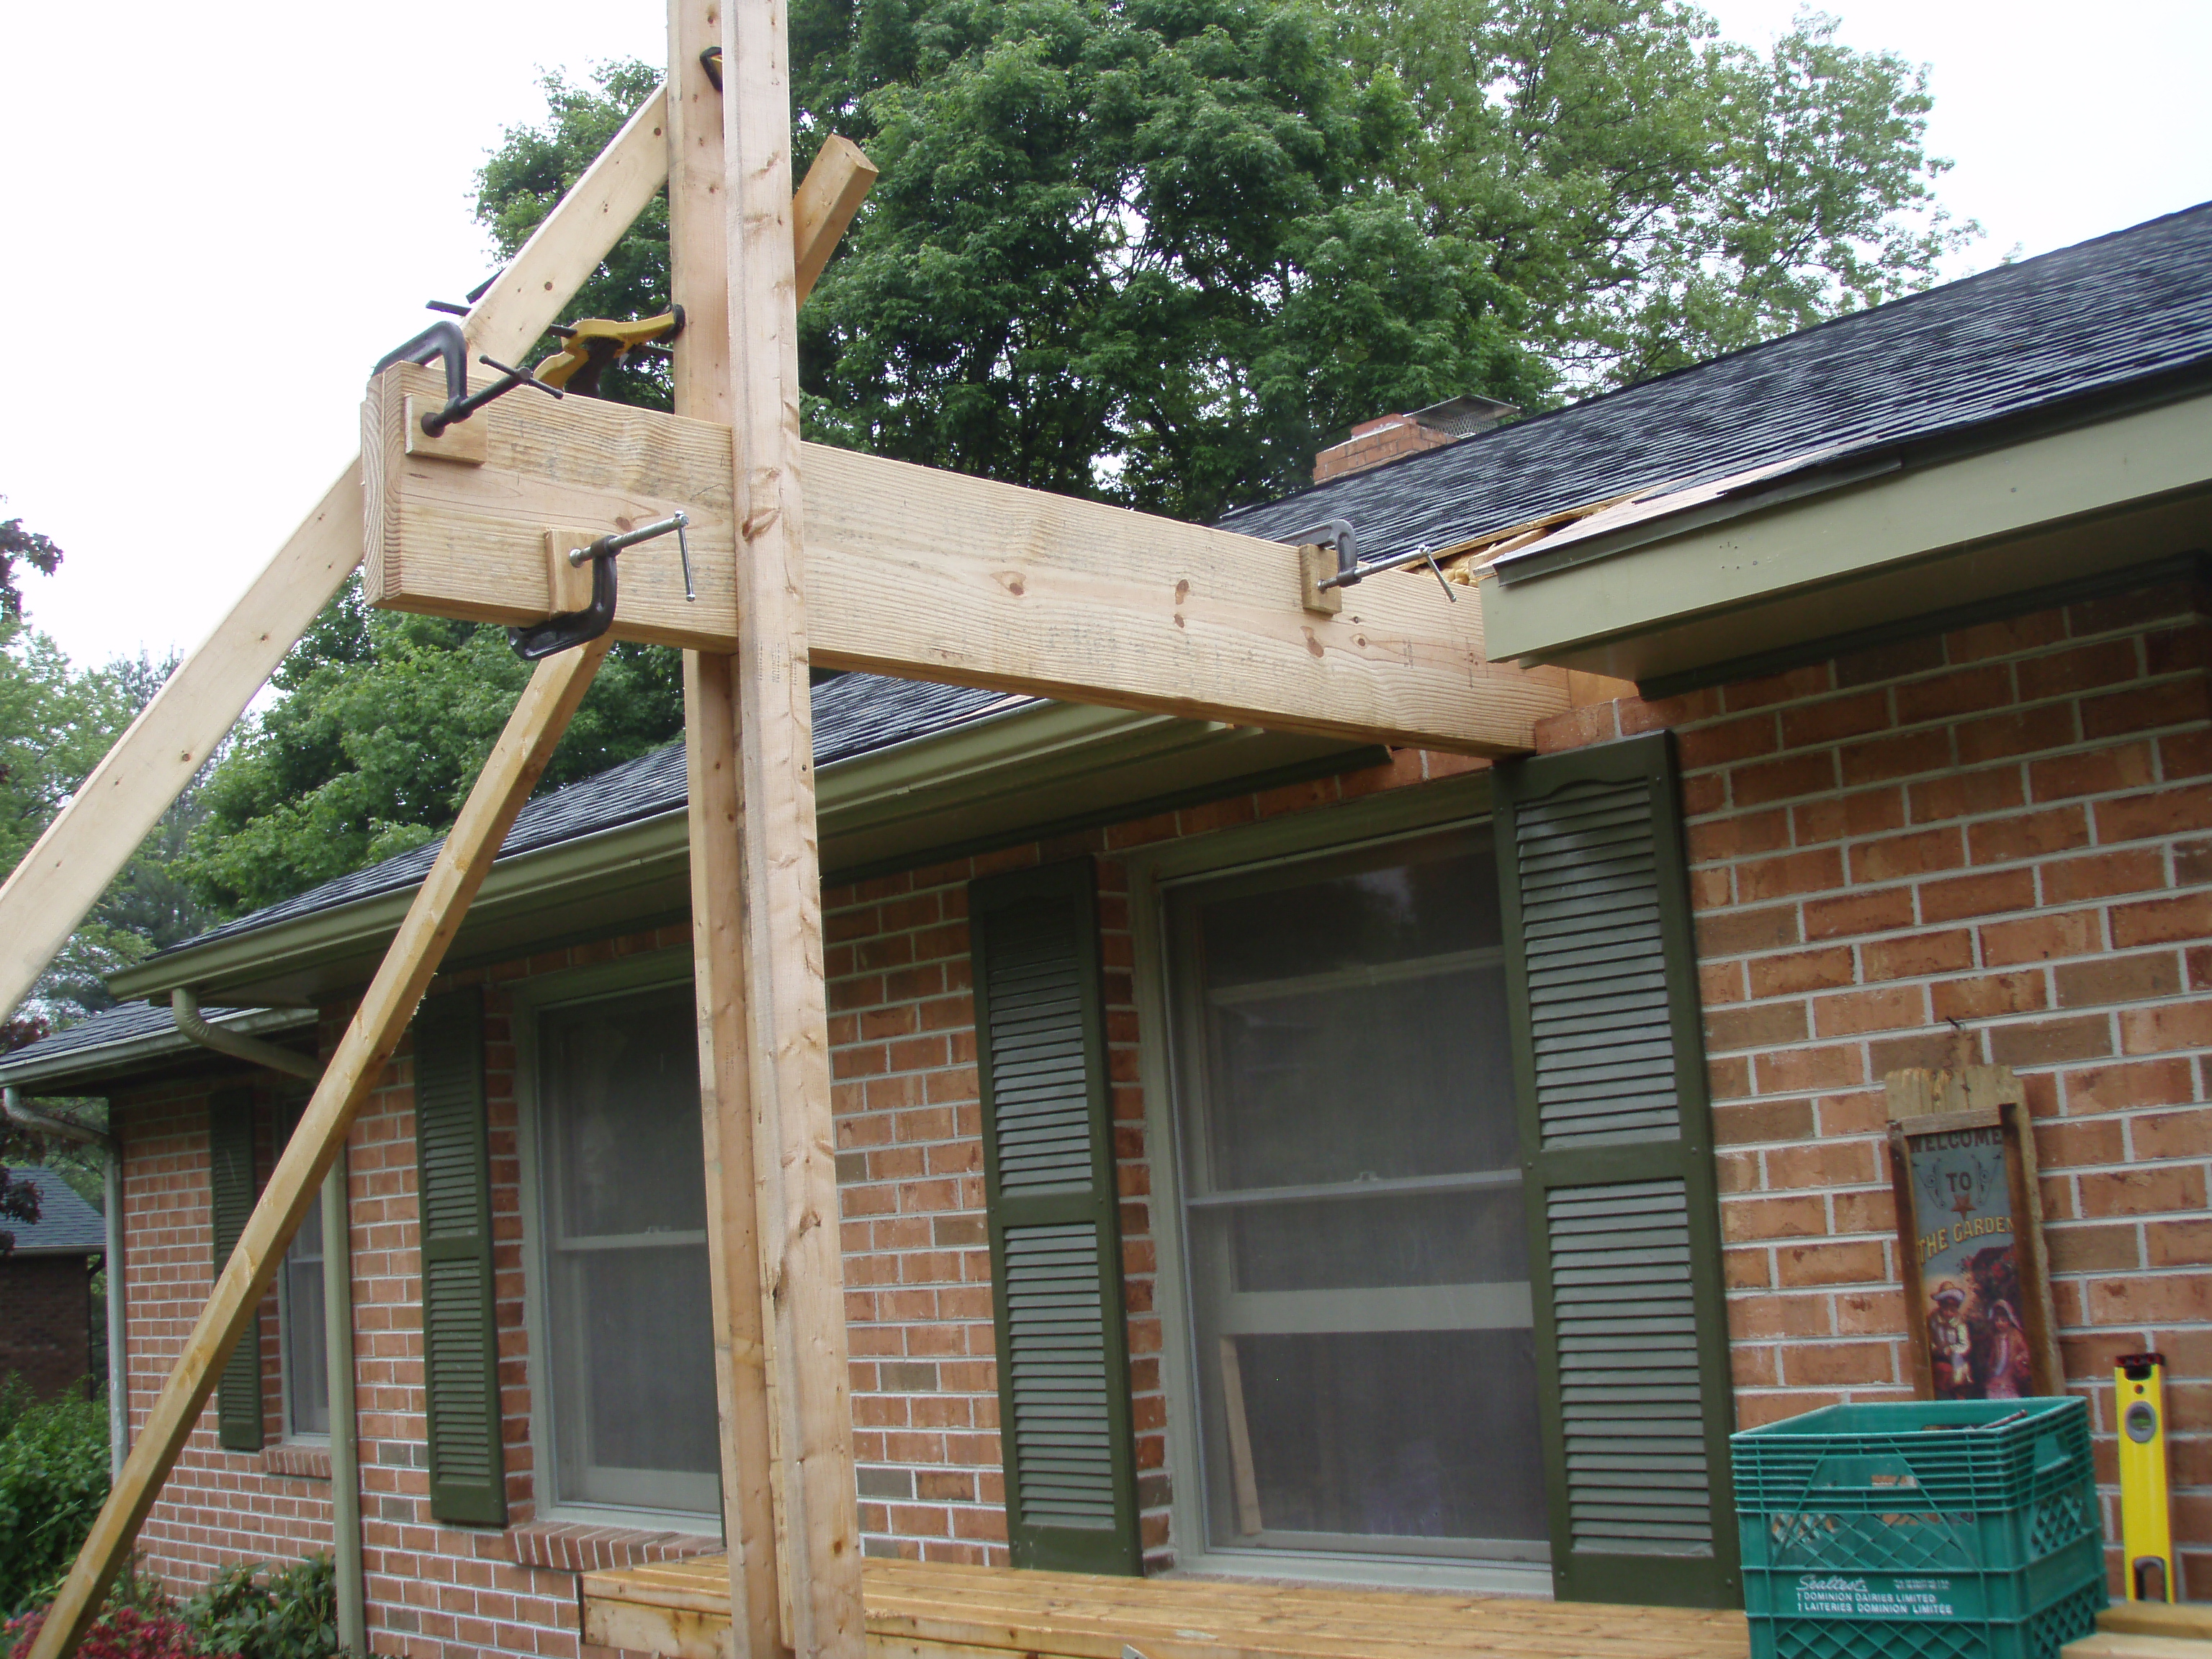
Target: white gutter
{"points": [[118, 1380], [337, 1318]]}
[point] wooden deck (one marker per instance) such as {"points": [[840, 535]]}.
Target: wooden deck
{"points": [[918, 1611]]}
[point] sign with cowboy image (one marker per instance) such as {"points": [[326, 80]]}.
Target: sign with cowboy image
{"points": [[1967, 1227]]}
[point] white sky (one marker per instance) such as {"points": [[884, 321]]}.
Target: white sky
{"points": [[213, 219]]}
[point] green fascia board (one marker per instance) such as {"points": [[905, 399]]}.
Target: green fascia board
{"points": [[152, 1051], [1023, 767], [1952, 532]]}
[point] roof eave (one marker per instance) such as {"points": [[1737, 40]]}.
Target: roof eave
{"points": [[1859, 546]]}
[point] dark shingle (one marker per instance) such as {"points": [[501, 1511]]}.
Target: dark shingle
{"points": [[66, 1224], [853, 714], [2087, 318]]}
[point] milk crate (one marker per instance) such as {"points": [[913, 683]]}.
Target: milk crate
{"points": [[1953, 1529]]}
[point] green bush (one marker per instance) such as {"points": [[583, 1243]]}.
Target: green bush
{"points": [[53, 1477], [259, 1612]]}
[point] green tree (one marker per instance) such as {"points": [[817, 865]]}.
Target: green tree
{"points": [[1660, 195], [384, 722]]}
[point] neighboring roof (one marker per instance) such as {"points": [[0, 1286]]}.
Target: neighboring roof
{"points": [[853, 714], [2021, 339], [67, 1225]]}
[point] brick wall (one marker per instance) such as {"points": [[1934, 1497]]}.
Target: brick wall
{"points": [[45, 1315], [2009, 826]]}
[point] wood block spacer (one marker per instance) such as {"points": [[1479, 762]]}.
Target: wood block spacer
{"points": [[462, 441], [1317, 563], [569, 585]]}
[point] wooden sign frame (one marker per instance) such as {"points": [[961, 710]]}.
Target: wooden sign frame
{"points": [[1959, 1113]]}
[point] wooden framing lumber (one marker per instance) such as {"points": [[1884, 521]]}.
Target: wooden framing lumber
{"points": [[780, 917], [698, 238], [937, 576], [513, 770], [58, 882]]}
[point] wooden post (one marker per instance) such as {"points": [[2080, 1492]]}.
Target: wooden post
{"points": [[781, 918], [513, 770], [117, 807], [698, 249]]}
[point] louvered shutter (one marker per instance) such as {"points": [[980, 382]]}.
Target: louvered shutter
{"points": [[1616, 1141], [1055, 1235], [231, 1191], [460, 1341]]}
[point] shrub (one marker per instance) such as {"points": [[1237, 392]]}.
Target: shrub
{"points": [[53, 1477], [260, 1612], [122, 1632]]}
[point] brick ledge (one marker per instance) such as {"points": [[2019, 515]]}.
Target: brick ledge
{"points": [[579, 1547], [296, 1461]]}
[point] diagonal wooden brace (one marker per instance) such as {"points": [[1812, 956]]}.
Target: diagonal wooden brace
{"points": [[516, 763]]}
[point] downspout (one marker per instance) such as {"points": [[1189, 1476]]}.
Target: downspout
{"points": [[337, 1320], [118, 1380]]}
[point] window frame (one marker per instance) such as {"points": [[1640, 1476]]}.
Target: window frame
{"points": [[530, 1000], [1396, 814]]}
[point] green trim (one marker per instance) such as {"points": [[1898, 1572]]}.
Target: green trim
{"points": [[2041, 509], [1117, 1548], [1648, 763], [925, 796], [2186, 567], [1322, 766], [460, 1334], [157, 1050], [233, 1183]]}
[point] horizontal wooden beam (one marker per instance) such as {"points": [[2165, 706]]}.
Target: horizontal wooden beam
{"points": [[935, 575]]}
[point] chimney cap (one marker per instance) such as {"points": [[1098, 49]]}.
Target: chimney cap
{"points": [[1465, 415]]}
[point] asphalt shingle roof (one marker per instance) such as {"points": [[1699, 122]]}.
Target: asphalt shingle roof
{"points": [[2123, 307], [853, 714], [66, 1224]]}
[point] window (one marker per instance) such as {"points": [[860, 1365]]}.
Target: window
{"points": [[305, 1345], [1354, 1240], [626, 1345]]}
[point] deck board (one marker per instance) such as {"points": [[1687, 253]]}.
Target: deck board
{"points": [[919, 1610]]}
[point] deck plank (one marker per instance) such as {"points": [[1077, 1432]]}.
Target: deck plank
{"points": [[928, 1610]]}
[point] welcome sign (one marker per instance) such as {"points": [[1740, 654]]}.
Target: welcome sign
{"points": [[1969, 1238]]}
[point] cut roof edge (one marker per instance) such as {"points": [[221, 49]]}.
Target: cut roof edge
{"points": [[1226, 521]]}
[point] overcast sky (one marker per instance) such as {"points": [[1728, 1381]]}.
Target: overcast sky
{"points": [[216, 218]]}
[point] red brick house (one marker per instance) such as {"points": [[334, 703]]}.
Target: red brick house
{"points": [[1268, 1157], [49, 1317]]}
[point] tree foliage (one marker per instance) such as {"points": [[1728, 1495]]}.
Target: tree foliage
{"points": [[1658, 195], [20, 547], [384, 721]]}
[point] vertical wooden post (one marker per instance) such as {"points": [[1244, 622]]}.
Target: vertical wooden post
{"points": [[781, 916], [698, 248]]}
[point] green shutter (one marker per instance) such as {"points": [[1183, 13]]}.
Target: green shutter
{"points": [[231, 1191], [1055, 1233], [460, 1338], [1616, 1142]]}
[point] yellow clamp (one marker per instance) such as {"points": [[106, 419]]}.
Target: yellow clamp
{"points": [[597, 342], [2146, 1509]]}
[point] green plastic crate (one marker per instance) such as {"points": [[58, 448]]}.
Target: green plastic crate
{"points": [[1932, 1530]]}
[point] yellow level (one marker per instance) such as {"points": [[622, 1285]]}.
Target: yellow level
{"points": [[2146, 1510]]}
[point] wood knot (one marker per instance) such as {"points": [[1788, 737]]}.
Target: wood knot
{"points": [[1314, 647], [1183, 592]]}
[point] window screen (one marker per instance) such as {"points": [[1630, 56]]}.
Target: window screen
{"points": [[306, 1351], [629, 1340], [1361, 1331]]}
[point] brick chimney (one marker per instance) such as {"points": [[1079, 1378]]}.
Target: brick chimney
{"points": [[1389, 436]]}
